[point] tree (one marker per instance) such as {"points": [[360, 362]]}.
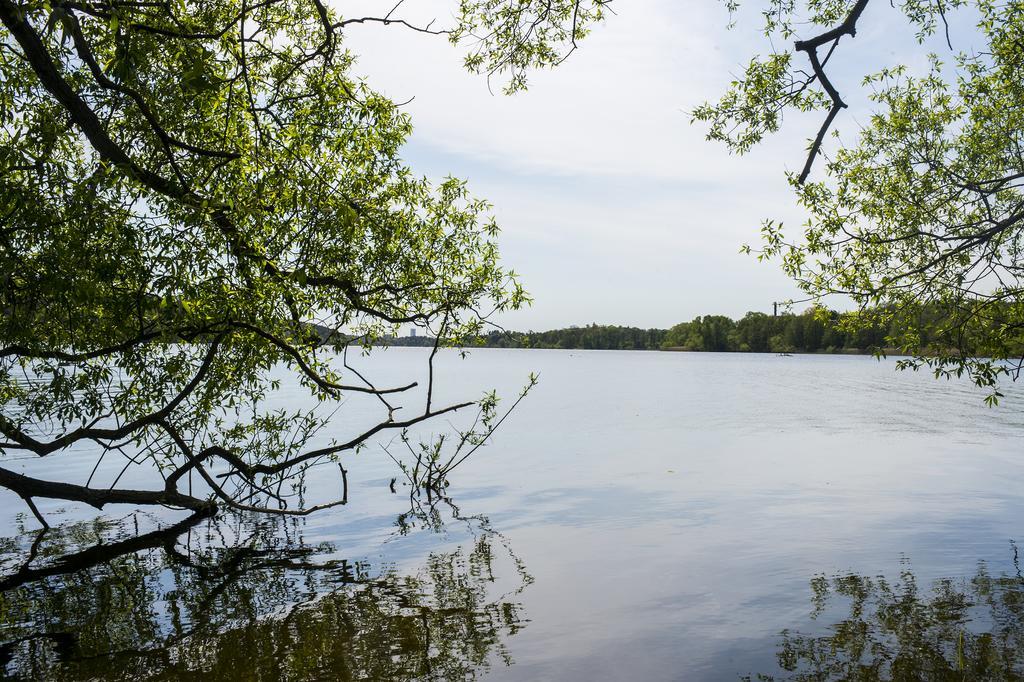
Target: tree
{"points": [[925, 210], [194, 194]]}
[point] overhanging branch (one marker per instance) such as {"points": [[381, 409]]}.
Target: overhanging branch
{"points": [[29, 487], [810, 47]]}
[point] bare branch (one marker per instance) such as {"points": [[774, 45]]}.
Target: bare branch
{"points": [[810, 46]]}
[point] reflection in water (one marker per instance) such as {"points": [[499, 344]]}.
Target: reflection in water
{"points": [[243, 598], [968, 629]]}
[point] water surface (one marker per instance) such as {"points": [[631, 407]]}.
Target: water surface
{"points": [[654, 516]]}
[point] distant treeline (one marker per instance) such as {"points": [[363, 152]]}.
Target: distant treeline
{"points": [[807, 332], [415, 341], [816, 330], [812, 331], [596, 337]]}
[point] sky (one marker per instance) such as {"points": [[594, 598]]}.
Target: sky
{"points": [[614, 209]]}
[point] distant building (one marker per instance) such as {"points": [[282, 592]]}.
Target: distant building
{"points": [[412, 333]]}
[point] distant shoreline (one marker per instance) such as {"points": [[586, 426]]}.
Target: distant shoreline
{"points": [[427, 342], [815, 331], [888, 352]]}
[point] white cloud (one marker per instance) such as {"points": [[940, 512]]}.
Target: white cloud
{"points": [[616, 107], [613, 206]]}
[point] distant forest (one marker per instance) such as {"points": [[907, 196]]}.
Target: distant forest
{"points": [[806, 332], [813, 331]]}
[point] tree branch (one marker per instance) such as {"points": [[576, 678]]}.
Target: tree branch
{"points": [[27, 486], [44, 448], [810, 47]]}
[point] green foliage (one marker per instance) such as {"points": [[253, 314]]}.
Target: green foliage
{"points": [[757, 103], [509, 38], [813, 331], [924, 211], [816, 330], [430, 463], [191, 194], [592, 337]]}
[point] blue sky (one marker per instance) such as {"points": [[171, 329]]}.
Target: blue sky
{"points": [[613, 208]]}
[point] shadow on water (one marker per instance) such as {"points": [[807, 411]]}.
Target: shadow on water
{"points": [[248, 599], [968, 629]]}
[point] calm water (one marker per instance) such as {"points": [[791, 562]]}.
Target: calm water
{"points": [[654, 516]]}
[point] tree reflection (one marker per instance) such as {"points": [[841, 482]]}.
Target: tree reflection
{"points": [[244, 598], [967, 629]]}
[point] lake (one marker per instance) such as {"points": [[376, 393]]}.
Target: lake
{"points": [[640, 516]]}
